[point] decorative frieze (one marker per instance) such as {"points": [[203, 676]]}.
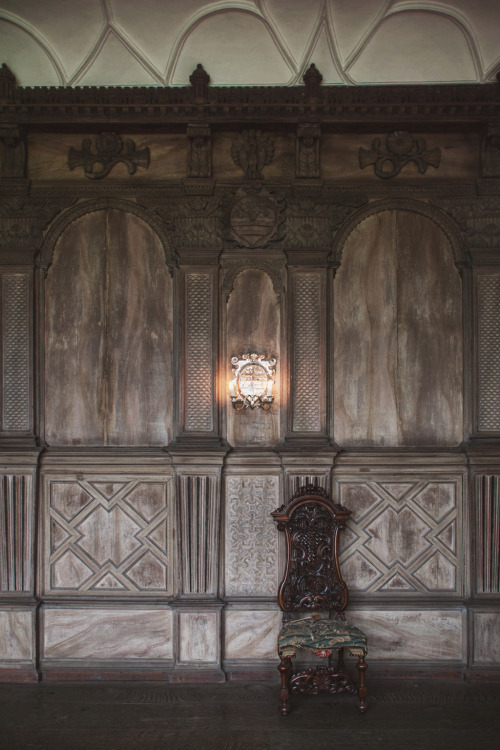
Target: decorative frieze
{"points": [[490, 153], [252, 150], [400, 149], [12, 152], [110, 150]]}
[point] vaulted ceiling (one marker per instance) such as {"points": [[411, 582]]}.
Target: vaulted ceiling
{"points": [[249, 42]]}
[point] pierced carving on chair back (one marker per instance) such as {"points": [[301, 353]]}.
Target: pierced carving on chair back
{"points": [[312, 580]]}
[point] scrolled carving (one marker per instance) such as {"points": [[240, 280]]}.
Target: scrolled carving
{"points": [[322, 680], [252, 150], [400, 148], [252, 385], [111, 149]]}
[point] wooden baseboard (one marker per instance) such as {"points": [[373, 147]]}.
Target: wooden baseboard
{"points": [[76, 674], [19, 674]]}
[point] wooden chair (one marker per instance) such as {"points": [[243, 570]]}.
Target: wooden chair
{"points": [[313, 597]]}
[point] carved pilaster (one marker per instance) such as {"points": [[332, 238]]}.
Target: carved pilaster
{"points": [[199, 156], [12, 152], [487, 503], [16, 309], [490, 153], [488, 352], [307, 151], [308, 358], [198, 416]]}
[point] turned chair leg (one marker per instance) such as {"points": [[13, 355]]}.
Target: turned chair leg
{"points": [[362, 667], [284, 668]]}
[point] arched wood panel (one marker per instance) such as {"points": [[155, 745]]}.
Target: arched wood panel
{"points": [[398, 368], [108, 335]]}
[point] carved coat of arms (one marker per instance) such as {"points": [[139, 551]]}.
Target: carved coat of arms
{"points": [[254, 218]]}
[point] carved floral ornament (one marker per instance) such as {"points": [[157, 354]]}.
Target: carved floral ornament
{"points": [[400, 148], [111, 149], [252, 150], [252, 385]]}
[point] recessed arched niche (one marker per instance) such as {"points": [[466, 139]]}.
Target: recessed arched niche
{"points": [[398, 344], [108, 335], [253, 326]]}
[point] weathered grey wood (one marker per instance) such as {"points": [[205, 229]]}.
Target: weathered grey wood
{"points": [[397, 336], [108, 335]]}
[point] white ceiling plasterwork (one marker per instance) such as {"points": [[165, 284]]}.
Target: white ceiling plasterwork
{"points": [[249, 42]]}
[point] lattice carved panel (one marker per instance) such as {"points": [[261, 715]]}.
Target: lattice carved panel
{"points": [[402, 537], [199, 351], [251, 545], [16, 412], [306, 359], [489, 352], [16, 532], [108, 536]]}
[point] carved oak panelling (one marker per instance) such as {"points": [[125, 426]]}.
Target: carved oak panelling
{"points": [[16, 635], [16, 307], [403, 536], [199, 506], [16, 532], [487, 504], [251, 544], [199, 384], [108, 334], [108, 536], [107, 633], [307, 360], [487, 638], [398, 363], [488, 291], [414, 635]]}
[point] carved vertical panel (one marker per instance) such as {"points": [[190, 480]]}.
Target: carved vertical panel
{"points": [[16, 379], [307, 355], [199, 533], [404, 535], [488, 290], [199, 385], [488, 534], [108, 535], [251, 546], [16, 533]]}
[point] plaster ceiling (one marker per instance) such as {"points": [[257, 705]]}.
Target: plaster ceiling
{"points": [[249, 42]]}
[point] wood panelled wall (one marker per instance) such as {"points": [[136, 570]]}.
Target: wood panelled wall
{"points": [[135, 529]]}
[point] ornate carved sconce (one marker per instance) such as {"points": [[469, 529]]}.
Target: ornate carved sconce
{"points": [[401, 148], [252, 386]]}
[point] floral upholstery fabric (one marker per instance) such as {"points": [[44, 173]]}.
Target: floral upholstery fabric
{"points": [[320, 637]]}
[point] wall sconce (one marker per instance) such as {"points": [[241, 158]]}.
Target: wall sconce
{"points": [[252, 386]]}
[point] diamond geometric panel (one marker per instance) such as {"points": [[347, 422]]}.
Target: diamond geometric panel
{"points": [[403, 536], [107, 537]]}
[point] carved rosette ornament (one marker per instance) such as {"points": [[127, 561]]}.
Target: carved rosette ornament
{"points": [[111, 149], [400, 149], [252, 386], [252, 150], [255, 217]]}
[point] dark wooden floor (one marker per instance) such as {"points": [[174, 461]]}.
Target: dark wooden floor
{"points": [[404, 715]]}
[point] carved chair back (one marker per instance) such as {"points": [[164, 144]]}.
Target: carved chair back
{"points": [[312, 580]]}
